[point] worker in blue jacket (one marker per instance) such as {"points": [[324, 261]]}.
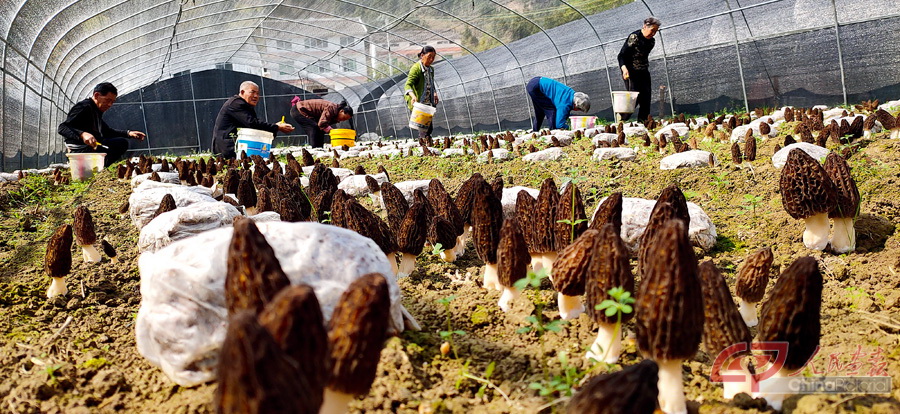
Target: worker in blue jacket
{"points": [[554, 100]]}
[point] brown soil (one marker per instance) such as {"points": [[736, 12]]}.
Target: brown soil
{"points": [[76, 354]]}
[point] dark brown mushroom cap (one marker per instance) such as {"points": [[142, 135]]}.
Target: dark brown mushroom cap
{"points": [[788, 114], [753, 276], [254, 273], [571, 208], [847, 193], [669, 308], [322, 180], [419, 197], [545, 218], [395, 205], [412, 230], [359, 170], [856, 127], [108, 249], [263, 201], [750, 149], [384, 171], [58, 258], [764, 128], [788, 140], [306, 158], [356, 333], [793, 310], [806, 189], [359, 219], [83, 227], [512, 254], [255, 376], [443, 205], [525, 216], [372, 184], [869, 123], [155, 177], [497, 186], [609, 212], [633, 389], [613, 269], [487, 219], [670, 204], [322, 201], [723, 325], [338, 208], [441, 230], [575, 263], [231, 181], [465, 196], [165, 205], [294, 319], [887, 121], [198, 176], [246, 192]]}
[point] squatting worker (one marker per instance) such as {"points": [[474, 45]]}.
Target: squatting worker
{"points": [[554, 100], [420, 85], [635, 65], [316, 116], [239, 112], [85, 131]]}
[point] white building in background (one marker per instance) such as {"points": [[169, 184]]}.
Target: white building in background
{"points": [[401, 48]]}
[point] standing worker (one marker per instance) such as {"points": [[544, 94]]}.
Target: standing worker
{"points": [[635, 65], [420, 85], [316, 116], [554, 100], [239, 111], [85, 131]]}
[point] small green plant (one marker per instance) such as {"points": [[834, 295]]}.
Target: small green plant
{"points": [[690, 195], [750, 202], [437, 249], [619, 305], [855, 294], [562, 384], [52, 371], [95, 363], [720, 181], [448, 334], [573, 178]]}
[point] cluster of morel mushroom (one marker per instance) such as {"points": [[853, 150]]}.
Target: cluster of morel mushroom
{"points": [[58, 256]]}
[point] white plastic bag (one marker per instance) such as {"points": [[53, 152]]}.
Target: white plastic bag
{"points": [[145, 199], [185, 222]]}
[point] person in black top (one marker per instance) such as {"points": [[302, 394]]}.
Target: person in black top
{"points": [[635, 65], [85, 131], [239, 112]]}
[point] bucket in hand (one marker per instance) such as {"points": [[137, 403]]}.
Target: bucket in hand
{"points": [[582, 122], [421, 116], [623, 102], [253, 142], [83, 165], [342, 136]]}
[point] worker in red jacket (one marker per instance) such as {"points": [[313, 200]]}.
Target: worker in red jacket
{"points": [[316, 117]]}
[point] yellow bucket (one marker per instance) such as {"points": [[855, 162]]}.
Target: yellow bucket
{"points": [[421, 116], [342, 136]]}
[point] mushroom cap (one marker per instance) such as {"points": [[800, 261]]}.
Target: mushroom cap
{"points": [[254, 274], [359, 170], [412, 230], [384, 171], [847, 205], [442, 231], [545, 218], [322, 201], [613, 269], [307, 158], [58, 258], [338, 205], [366, 223], [670, 204], [750, 148], [465, 196], [609, 212], [525, 217], [669, 308], [723, 325], [512, 254], [286, 202], [869, 123], [806, 189], [753, 276], [497, 186], [570, 207], [108, 249], [419, 197], [256, 376], [263, 201], [372, 184], [83, 227], [788, 140], [792, 312], [575, 263], [322, 180], [155, 177], [443, 205], [634, 390], [887, 121], [356, 334], [231, 181], [764, 128], [246, 192], [395, 205], [788, 114], [487, 219]]}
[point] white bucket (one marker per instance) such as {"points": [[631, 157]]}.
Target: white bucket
{"points": [[253, 142], [623, 101], [421, 116], [582, 122], [83, 165]]}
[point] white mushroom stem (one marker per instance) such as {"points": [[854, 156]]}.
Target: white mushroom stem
{"points": [[449, 255], [844, 238], [815, 236], [90, 253], [114, 259], [548, 258], [460, 248], [732, 388], [335, 402], [392, 259], [251, 211], [772, 389], [867, 133], [570, 307], [376, 197], [57, 287], [509, 294], [607, 337], [671, 387], [748, 312], [895, 133], [407, 264], [491, 280], [537, 261]]}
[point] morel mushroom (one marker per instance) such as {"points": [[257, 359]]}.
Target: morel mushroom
{"points": [[487, 219], [750, 284], [575, 263], [612, 270], [544, 239], [374, 188], [888, 122], [670, 204], [165, 205], [366, 223], [723, 328], [512, 261], [246, 195], [792, 315], [525, 217], [750, 148], [263, 201], [571, 219], [609, 212], [254, 274], [109, 251], [669, 310], [736, 157], [395, 205], [464, 198], [58, 260], [356, 334], [844, 238], [632, 390], [443, 205], [85, 235], [868, 126], [411, 237], [808, 193], [764, 130]]}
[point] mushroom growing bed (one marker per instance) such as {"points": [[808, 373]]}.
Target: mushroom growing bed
{"points": [[77, 352]]}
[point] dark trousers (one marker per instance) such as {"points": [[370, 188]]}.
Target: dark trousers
{"points": [[640, 82], [117, 148], [427, 132], [310, 128], [543, 106], [224, 147]]}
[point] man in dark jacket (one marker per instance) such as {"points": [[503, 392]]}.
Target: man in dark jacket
{"points": [[239, 112], [635, 65], [85, 131]]}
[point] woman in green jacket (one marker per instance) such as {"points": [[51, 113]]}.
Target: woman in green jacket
{"points": [[420, 84]]}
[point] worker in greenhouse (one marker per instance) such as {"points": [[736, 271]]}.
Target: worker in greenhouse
{"points": [[239, 111], [420, 85], [635, 64], [554, 100], [316, 116], [85, 131]]}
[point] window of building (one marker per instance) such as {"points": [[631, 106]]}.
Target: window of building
{"points": [[225, 66], [348, 65], [282, 44], [347, 40], [313, 43]]}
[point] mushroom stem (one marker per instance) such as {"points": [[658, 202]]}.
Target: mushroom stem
{"points": [[509, 294], [376, 198], [748, 313], [671, 387], [732, 388], [392, 259], [407, 264], [90, 253], [769, 388], [57, 287], [895, 133], [114, 259], [867, 133], [449, 255], [250, 211], [844, 238], [816, 234], [537, 261], [549, 258], [491, 279], [607, 337], [460, 248], [335, 402], [570, 307]]}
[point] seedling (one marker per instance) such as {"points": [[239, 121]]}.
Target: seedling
{"points": [[855, 294], [448, 334], [750, 202], [437, 249], [619, 304], [572, 178]]}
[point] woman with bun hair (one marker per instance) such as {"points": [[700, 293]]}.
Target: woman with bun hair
{"points": [[316, 116], [420, 84]]}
